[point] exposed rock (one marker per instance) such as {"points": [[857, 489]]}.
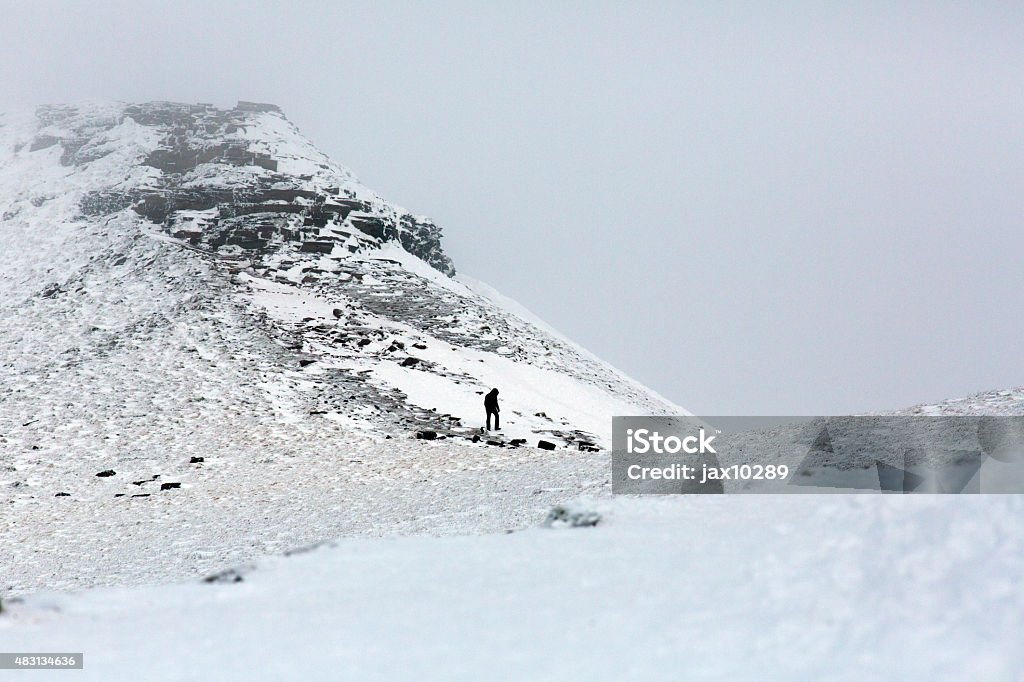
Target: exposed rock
{"points": [[106, 473], [230, 575], [197, 460], [571, 516], [169, 486], [426, 435], [43, 142], [545, 445]]}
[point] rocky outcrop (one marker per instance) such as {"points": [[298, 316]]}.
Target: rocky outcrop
{"points": [[229, 180]]}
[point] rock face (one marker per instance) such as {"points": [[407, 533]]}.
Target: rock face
{"points": [[223, 189]]}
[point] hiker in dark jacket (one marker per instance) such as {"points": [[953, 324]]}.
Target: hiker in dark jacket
{"points": [[491, 405]]}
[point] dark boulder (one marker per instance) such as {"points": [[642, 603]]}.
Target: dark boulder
{"points": [[107, 472], [545, 445], [197, 460], [426, 435], [168, 486], [230, 575]]}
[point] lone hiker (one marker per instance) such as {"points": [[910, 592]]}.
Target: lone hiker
{"points": [[491, 405]]}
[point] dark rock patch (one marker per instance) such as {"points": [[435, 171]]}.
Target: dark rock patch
{"points": [[230, 575], [106, 473]]}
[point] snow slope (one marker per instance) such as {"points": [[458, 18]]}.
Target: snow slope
{"points": [[182, 283], [797, 587]]}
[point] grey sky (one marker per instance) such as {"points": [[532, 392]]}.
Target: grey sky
{"points": [[752, 208]]}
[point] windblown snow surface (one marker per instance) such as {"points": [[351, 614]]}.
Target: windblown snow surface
{"points": [[198, 297]]}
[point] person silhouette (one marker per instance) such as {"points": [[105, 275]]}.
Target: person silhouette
{"points": [[491, 406]]}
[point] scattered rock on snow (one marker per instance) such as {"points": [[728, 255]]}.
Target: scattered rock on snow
{"points": [[230, 575], [571, 516], [410, 361]]}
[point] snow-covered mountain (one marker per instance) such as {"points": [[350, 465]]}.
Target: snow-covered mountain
{"points": [[199, 301], [222, 242], [216, 345]]}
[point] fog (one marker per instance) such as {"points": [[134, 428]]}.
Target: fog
{"points": [[801, 208]]}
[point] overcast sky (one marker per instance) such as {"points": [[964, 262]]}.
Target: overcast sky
{"points": [[757, 208]]}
